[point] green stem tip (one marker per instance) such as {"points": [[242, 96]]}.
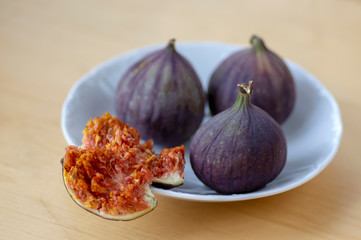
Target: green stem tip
{"points": [[171, 43], [258, 43]]}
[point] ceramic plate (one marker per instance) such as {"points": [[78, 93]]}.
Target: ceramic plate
{"points": [[313, 130]]}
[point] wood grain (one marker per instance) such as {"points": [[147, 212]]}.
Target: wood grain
{"points": [[45, 46]]}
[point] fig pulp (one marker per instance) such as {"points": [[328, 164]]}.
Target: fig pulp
{"points": [[161, 96], [274, 89], [109, 175], [240, 149]]}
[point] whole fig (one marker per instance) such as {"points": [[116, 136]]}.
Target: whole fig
{"points": [[274, 85], [161, 96], [240, 149]]}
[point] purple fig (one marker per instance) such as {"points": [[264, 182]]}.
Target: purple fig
{"points": [[240, 149], [274, 89], [161, 96]]}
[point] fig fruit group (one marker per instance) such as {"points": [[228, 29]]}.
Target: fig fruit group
{"points": [[161, 96], [274, 89], [240, 149], [109, 175]]}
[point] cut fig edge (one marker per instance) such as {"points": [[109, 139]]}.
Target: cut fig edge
{"points": [[170, 181]]}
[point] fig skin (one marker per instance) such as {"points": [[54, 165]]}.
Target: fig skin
{"points": [[161, 96], [274, 89], [240, 149]]}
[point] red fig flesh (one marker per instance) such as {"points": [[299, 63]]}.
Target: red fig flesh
{"points": [[109, 175]]}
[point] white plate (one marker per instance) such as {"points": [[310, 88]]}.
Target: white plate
{"points": [[313, 130]]}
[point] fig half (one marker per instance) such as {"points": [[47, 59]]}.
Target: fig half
{"points": [[109, 175], [240, 149]]}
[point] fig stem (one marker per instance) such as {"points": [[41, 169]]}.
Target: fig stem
{"points": [[243, 96], [258, 43], [245, 88], [171, 43]]}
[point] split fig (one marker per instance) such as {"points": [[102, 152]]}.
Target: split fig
{"points": [[274, 89], [240, 149], [109, 175], [161, 96]]}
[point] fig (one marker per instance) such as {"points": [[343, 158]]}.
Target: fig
{"points": [[161, 96], [240, 149], [274, 89], [109, 175]]}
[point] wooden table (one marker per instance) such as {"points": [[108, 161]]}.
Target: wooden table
{"points": [[46, 46]]}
